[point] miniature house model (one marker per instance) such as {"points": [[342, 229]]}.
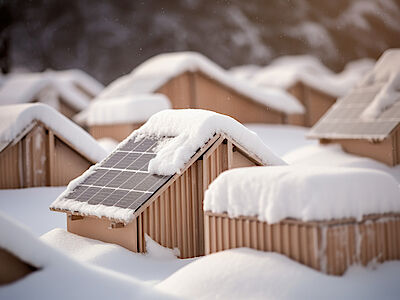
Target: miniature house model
{"points": [[154, 182], [365, 121], [69, 91], [315, 86], [117, 117], [40, 147], [335, 219], [191, 80]]}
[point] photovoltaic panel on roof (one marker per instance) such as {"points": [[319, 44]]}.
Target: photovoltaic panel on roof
{"points": [[343, 119], [123, 179]]}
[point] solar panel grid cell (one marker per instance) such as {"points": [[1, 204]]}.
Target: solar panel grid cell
{"points": [[123, 179]]}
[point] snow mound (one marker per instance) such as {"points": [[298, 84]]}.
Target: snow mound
{"points": [[334, 156], [386, 72], [155, 72], [191, 129], [250, 274], [155, 250], [127, 109], [304, 193], [285, 71], [16, 119], [63, 275]]}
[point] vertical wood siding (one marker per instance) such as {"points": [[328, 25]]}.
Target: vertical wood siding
{"points": [[327, 247]]}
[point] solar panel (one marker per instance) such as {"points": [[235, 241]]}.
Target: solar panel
{"points": [[123, 179]]}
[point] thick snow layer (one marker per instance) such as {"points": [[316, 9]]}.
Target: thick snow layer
{"points": [[386, 72], [244, 72], [15, 119], [70, 86], [143, 267], [30, 206], [334, 156], [156, 251], [302, 192], [127, 109], [287, 70], [282, 139], [155, 72], [250, 274], [191, 129], [60, 276], [82, 80]]}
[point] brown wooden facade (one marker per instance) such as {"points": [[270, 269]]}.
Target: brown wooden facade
{"points": [[316, 103], [173, 216], [12, 268], [327, 246], [40, 158], [386, 151], [117, 132], [198, 90]]}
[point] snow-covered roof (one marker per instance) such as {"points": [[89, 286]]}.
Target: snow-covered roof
{"points": [[286, 71], [180, 134], [371, 110], [15, 120], [81, 79], [191, 129], [127, 109], [303, 192], [155, 72], [73, 86]]}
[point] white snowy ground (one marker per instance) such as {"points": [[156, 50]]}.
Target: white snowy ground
{"points": [[103, 271], [282, 139]]}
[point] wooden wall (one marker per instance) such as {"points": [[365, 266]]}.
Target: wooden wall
{"points": [[197, 90], [66, 109], [39, 159], [330, 247], [315, 102], [117, 132]]}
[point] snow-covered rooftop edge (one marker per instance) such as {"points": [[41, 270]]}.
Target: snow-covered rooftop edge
{"points": [[158, 70], [307, 193], [127, 109], [14, 119], [191, 129]]}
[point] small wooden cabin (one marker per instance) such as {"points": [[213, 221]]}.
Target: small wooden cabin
{"points": [[191, 80], [376, 136], [116, 118], [120, 200], [40, 147], [326, 245], [68, 91]]}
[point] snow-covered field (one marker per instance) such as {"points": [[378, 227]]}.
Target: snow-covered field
{"points": [[73, 266]]}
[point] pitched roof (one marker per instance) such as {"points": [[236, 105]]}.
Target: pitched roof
{"points": [[118, 186], [74, 87], [286, 71], [127, 109], [16, 120], [158, 70], [371, 110]]}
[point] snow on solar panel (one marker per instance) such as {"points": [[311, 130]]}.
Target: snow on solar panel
{"points": [[123, 179]]}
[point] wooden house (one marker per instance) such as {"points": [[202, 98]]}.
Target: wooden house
{"points": [[68, 91], [314, 85], [12, 267], [116, 118], [120, 201], [40, 147], [328, 241], [365, 122], [191, 80]]}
